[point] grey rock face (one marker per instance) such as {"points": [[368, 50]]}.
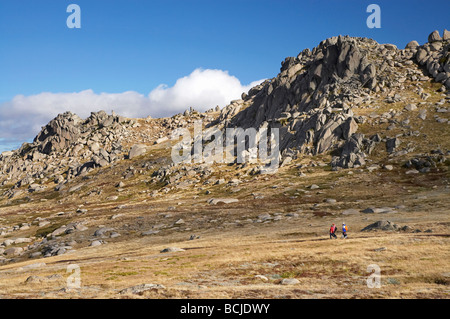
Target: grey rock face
{"points": [[302, 100], [355, 150], [392, 144], [59, 133]]}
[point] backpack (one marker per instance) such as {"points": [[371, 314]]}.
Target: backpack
{"points": [[346, 228]]}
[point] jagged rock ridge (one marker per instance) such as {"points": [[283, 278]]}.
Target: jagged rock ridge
{"points": [[312, 98], [311, 101]]}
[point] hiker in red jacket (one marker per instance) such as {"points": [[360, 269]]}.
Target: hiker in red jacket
{"points": [[333, 229]]}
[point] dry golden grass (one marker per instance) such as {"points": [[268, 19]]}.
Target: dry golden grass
{"points": [[225, 264]]}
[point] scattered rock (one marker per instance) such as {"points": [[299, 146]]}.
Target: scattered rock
{"points": [[392, 144], [290, 281], [95, 243], [34, 279], [264, 217], [140, 289], [179, 222], [120, 185], [171, 250], [406, 228], [263, 278], [410, 107], [149, 232], [102, 231], [14, 251], [215, 201]]}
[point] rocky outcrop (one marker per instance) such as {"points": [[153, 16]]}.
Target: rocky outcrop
{"points": [[355, 150], [426, 162], [59, 134], [435, 56], [67, 146], [311, 99]]}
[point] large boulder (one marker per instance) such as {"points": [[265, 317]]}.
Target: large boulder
{"points": [[446, 35], [421, 55], [412, 45], [434, 36], [137, 150], [385, 225]]}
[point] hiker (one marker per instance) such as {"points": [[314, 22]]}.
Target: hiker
{"points": [[333, 229], [344, 230]]}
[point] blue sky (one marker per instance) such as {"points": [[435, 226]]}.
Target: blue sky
{"points": [[138, 45]]}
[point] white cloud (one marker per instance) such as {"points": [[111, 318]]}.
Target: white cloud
{"points": [[202, 89], [22, 117]]}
